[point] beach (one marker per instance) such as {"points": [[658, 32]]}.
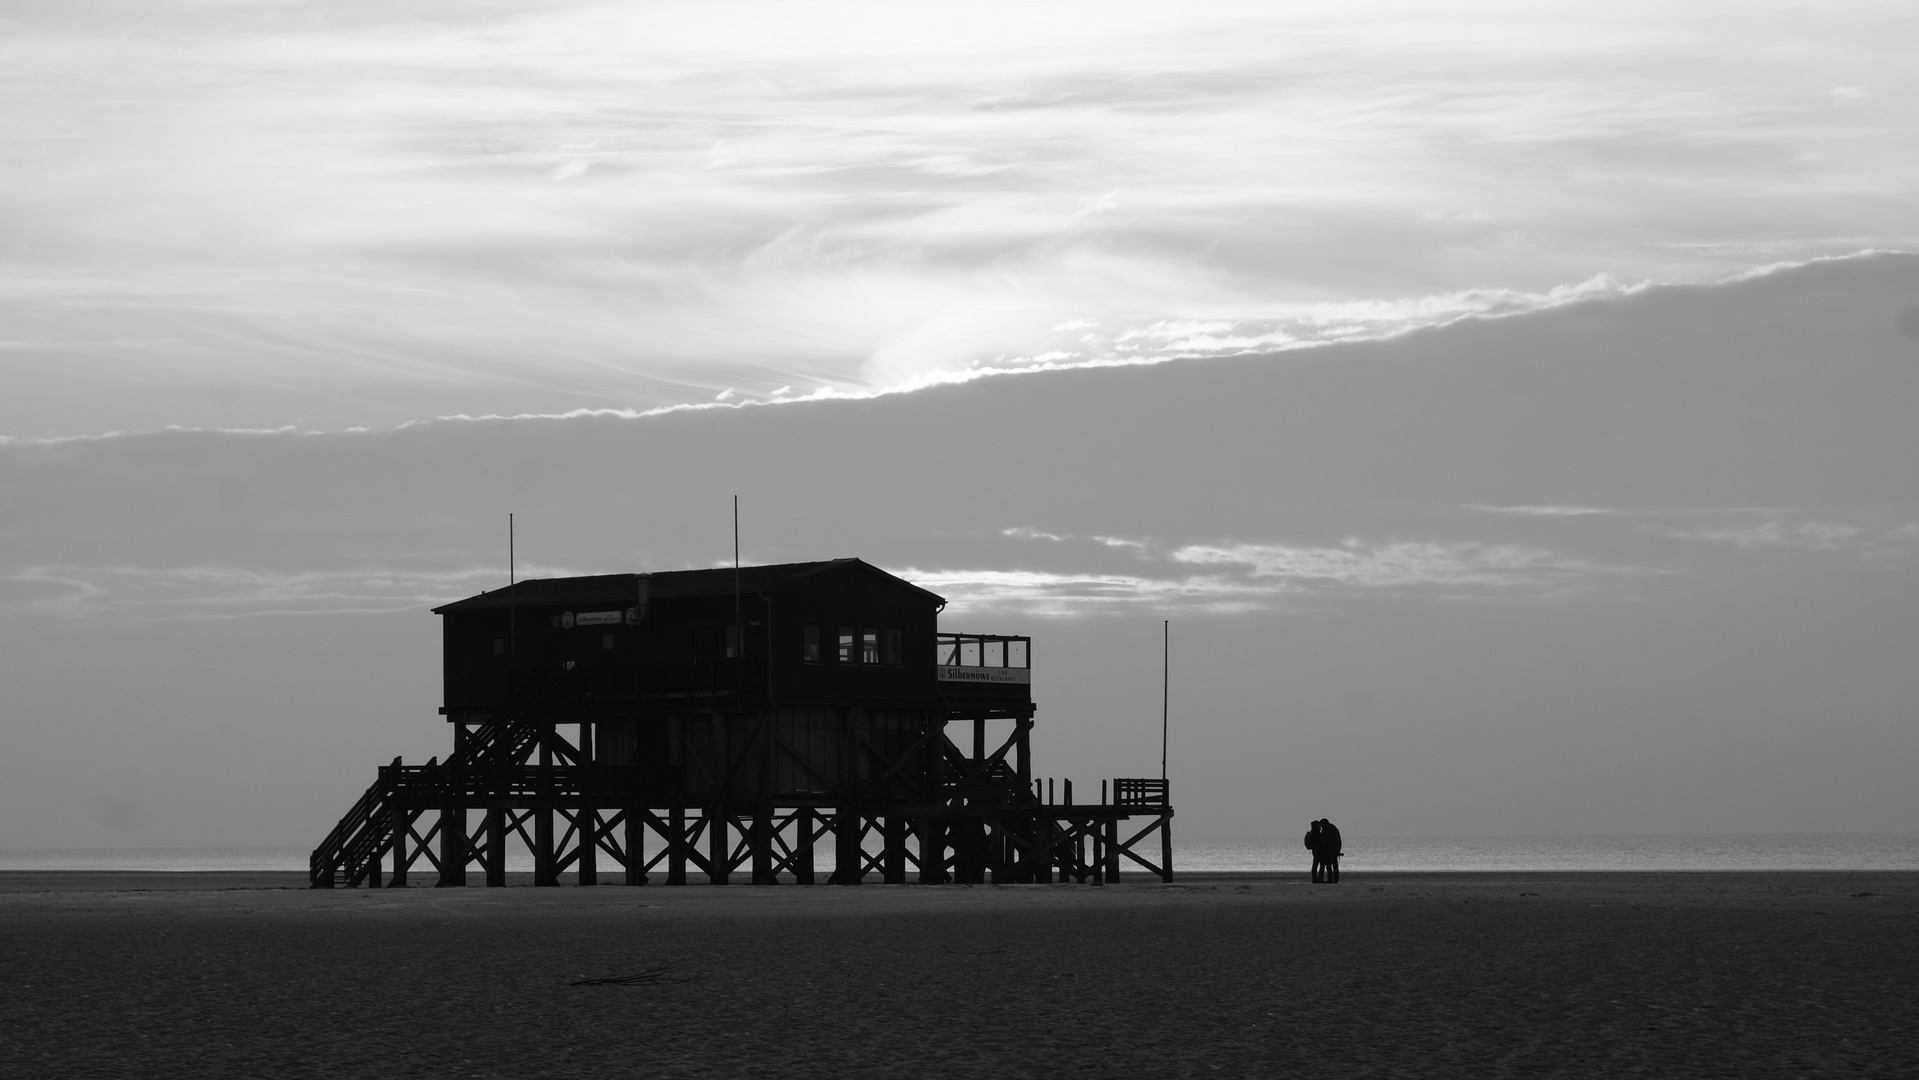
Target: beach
{"points": [[1250, 975]]}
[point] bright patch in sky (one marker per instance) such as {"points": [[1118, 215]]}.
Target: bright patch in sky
{"points": [[253, 214]]}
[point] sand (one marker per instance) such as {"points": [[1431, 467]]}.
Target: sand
{"points": [[1483, 975]]}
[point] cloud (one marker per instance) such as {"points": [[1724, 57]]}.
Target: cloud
{"points": [[383, 216], [136, 593], [1251, 576], [1238, 577], [1025, 533], [1777, 531], [1405, 565], [1053, 593], [1546, 511]]}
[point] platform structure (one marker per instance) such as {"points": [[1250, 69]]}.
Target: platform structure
{"points": [[802, 723]]}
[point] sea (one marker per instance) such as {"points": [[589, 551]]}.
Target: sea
{"points": [[1728, 851]]}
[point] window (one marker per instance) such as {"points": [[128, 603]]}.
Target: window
{"points": [[606, 642], [846, 645], [732, 640], [499, 646], [870, 645], [895, 652], [995, 654], [810, 644]]}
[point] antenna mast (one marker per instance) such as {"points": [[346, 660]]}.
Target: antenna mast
{"points": [[1165, 688], [739, 626], [512, 594]]}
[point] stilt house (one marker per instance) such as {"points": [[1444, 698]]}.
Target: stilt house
{"points": [[730, 723]]}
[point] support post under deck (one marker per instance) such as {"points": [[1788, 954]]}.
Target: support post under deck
{"points": [[635, 846], [676, 846], [495, 846], [586, 832], [452, 847], [402, 832]]}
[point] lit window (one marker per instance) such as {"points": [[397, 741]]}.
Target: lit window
{"points": [[895, 653], [870, 645], [810, 644], [846, 645]]}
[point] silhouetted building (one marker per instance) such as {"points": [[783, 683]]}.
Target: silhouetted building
{"points": [[726, 722]]}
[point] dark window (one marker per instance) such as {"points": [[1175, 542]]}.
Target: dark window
{"points": [[895, 652], [846, 645], [499, 646], [606, 642], [870, 646], [810, 644], [732, 640]]}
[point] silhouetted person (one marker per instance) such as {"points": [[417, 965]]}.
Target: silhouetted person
{"points": [[1330, 849], [1316, 843]]}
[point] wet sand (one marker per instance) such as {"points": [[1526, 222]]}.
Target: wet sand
{"points": [[1494, 975]]}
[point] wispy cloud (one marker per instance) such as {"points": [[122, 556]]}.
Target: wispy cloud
{"points": [[136, 593], [1776, 530], [1403, 565], [1196, 577], [1234, 576], [1547, 511], [1057, 593]]}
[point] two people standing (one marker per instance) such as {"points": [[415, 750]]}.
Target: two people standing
{"points": [[1323, 841]]}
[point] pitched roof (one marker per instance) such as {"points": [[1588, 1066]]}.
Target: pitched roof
{"points": [[670, 584]]}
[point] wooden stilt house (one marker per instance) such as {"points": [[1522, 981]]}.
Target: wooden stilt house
{"points": [[731, 724]]}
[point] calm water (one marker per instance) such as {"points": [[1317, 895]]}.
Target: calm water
{"points": [[1751, 851]]}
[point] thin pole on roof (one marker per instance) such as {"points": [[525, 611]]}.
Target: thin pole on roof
{"points": [[512, 594], [1165, 688], [512, 615], [739, 626]]}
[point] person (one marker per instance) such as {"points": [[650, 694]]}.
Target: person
{"points": [[1330, 849], [1314, 842]]}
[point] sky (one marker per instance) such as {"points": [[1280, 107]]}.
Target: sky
{"points": [[1515, 408], [261, 213]]}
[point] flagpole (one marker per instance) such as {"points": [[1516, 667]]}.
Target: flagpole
{"points": [[1165, 688]]}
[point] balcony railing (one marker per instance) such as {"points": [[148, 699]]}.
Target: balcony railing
{"points": [[1134, 791], [983, 658]]}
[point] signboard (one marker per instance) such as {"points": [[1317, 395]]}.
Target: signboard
{"points": [[1013, 676], [599, 618]]}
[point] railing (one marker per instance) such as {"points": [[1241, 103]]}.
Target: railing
{"points": [[341, 849], [353, 847], [982, 650], [1140, 792], [983, 658]]}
